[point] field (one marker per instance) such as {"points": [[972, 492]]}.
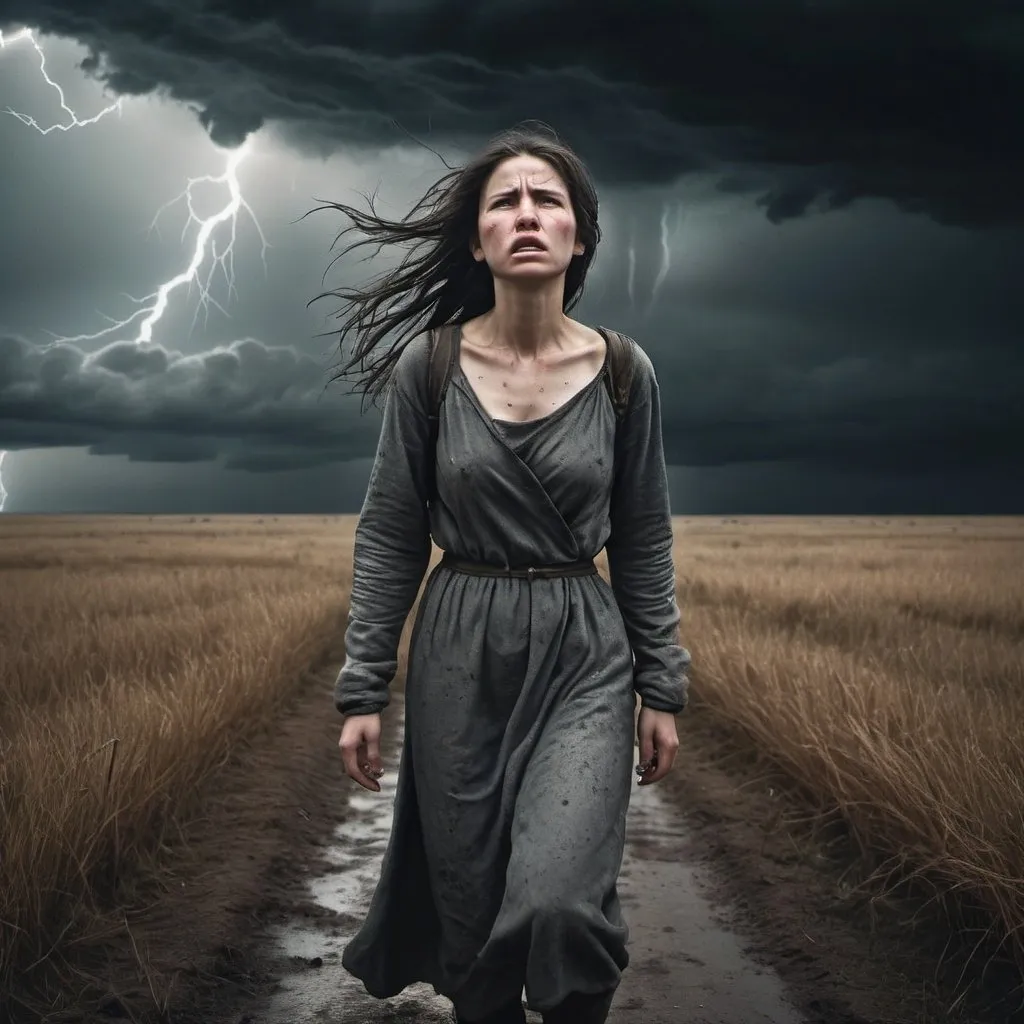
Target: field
{"points": [[880, 663], [137, 656]]}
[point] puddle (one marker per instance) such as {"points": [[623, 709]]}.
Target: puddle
{"points": [[329, 994], [684, 964]]}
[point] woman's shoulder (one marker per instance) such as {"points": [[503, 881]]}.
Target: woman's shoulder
{"points": [[416, 352], [411, 366], [642, 365]]}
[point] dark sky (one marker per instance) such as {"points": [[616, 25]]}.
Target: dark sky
{"points": [[813, 218]]}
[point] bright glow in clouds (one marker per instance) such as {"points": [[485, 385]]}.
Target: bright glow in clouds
{"points": [[152, 307]]}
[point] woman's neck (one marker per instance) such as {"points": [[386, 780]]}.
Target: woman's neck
{"points": [[527, 321]]}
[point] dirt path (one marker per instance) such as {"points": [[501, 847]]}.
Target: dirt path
{"points": [[685, 964], [250, 924]]}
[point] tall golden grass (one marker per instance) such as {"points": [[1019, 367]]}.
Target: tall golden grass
{"points": [[135, 656], [880, 663]]}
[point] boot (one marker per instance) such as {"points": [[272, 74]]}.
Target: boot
{"points": [[511, 1013], [578, 1008]]}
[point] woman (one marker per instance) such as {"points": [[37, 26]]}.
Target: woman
{"points": [[516, 767]]}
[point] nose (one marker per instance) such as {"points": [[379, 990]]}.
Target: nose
{"points": [[526, 217]]}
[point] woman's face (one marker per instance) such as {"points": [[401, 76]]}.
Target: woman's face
{"points": [[526, 227]]}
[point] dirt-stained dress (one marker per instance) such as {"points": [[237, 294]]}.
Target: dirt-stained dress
{"points": [[516, 769]]}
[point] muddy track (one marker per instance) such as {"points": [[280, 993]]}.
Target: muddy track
{"points": [[728, 924], [685, 964]]}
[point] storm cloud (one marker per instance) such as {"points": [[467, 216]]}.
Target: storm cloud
{"points": [[265, 409], [811, 215], [801, 103], [262, 409]]}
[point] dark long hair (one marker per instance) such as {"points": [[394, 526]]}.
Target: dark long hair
{"points": [[438, 281]]}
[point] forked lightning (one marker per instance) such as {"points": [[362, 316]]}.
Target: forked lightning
{"points": [[150, 308]]}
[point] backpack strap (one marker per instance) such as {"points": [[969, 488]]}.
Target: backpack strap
{"points": [[619, 378], [442, 364], [440, 369]]}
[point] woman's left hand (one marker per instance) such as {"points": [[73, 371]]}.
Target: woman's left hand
{"points": [[659, 741]]}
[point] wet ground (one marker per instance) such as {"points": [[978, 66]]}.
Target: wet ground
{"points": [[686, 963], [725, 890]]}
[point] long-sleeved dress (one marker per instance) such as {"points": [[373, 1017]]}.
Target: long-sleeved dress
{"points": [[515, 777]]}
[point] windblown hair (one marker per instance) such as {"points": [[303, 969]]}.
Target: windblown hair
{"points": [[438, 281]]}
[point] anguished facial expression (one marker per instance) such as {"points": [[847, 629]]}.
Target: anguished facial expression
{"points": [[526, 227]]}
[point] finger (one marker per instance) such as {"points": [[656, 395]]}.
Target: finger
{"points": [[373, 758], [645, 741], [350, 756], [353, 756], [368, 774], [665, 758], [646, 769], [370, 765]]}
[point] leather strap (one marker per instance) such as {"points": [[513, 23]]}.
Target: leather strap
{"points": [[585, 567]]}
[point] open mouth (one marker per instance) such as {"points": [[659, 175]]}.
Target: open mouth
{"points": [[527, 245]]}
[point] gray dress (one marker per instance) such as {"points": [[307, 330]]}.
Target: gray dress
{"points": [[516, 770]]}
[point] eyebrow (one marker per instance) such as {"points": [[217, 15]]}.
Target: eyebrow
{"points": [[541, 190]]}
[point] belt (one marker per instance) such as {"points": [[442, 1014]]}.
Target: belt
{"points": [[585, 567]]}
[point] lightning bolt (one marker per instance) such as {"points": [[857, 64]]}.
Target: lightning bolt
{"points": [[150, 308], [26, 33], [158, 300], [668, 238], [631, 280]]}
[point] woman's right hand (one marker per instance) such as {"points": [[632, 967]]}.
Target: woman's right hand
{"points": [[360, 750]]}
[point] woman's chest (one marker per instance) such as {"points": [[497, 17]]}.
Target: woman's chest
{"points": [[565, 459], [526, 391]]}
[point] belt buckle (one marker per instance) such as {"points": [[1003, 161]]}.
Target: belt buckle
{"points": [[531, 574]]}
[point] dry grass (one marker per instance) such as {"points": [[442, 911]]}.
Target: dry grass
{"points": [[135, 656], [881, 665]]}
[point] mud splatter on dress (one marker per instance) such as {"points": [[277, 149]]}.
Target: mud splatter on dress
{"points": [[517, 762]]}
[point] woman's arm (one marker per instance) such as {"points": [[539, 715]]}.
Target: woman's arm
{"points": [[392, 543], [640, 548]]}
